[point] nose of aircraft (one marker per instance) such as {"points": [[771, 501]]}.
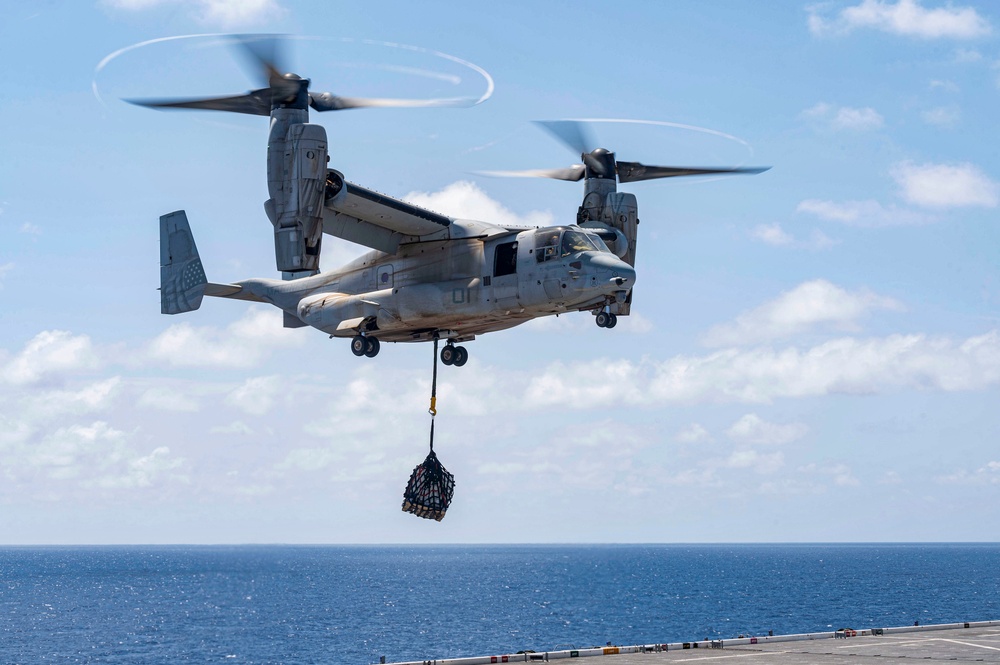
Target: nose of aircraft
{"points": [[612, 271]]}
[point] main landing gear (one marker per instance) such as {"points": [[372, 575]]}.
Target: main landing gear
{"points": [[606, 319], [454, 355], [365, 346]]}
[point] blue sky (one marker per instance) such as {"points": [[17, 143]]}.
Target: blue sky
{"points": [[814, 353]]}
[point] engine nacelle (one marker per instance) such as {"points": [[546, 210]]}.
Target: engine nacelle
{"points": [[296, 209]]}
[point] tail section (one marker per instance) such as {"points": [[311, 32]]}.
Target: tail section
{"points": [[182, 277]]}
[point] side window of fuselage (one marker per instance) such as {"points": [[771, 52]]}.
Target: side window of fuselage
{"points": [[505, 259]]}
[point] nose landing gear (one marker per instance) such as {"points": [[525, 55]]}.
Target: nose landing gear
{"points": [[606, 319]]}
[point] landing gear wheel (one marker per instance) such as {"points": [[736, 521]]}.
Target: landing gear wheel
{"points": [[612, 321], [448, 354], [372, 346], [461, 356], [359, 345], [603, 319]]}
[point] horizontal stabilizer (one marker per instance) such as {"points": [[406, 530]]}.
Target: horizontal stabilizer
{"points": [[182, 277]]}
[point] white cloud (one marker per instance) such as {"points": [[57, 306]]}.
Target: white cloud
{"points": [[693, 433], [96, 396], [167, 399], [988, 474], [866, 214], [141, 471], [4, 269], [65, 452], [244, 343], [751, 459], [905, 17], [947, 86], [49, 352], [466, 200], [235, 427], [224, 13], [840, 366], [256, 395], [967, 55], [942, 116], [753, 429], [847, 365], [91, 456], [946, 185], [774, 235], [846, 117], [866, 118], [807, 306], [598, 382]]}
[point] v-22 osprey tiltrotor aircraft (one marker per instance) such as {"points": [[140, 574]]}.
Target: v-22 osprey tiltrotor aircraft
{"points": [[430, 276]]}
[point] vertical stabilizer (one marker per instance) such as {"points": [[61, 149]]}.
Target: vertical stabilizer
{"points": [[182, 277]]}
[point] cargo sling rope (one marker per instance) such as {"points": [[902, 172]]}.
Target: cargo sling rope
{"points": [[429, 491]]}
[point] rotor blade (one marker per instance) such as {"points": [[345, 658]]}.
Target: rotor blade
{"points": [[263, 54], [571, 173], [573, 133], [255, 102], [324, 101], [634, 171]]}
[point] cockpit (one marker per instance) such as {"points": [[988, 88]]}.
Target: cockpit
{"points": [[560, 241]]}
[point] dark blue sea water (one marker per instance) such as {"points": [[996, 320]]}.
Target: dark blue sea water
{"points": [[290, 604]]}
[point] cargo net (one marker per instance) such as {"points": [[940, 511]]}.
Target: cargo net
{"points": [[428, 494]]}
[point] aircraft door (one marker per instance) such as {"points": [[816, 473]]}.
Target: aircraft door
{"points": [[504, 278]]}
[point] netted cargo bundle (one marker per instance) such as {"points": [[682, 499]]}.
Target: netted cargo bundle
{"points": [[429, 492]]}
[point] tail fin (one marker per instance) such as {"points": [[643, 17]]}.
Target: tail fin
{"points": [[182, 277]]}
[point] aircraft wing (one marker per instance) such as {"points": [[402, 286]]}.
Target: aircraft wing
{"points": [[381, 222]]}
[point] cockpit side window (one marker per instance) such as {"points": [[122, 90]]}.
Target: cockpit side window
{"points": [[547, 244]]}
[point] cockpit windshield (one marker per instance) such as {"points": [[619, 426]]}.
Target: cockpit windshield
{"points": [[576, 241], [561, 241]]}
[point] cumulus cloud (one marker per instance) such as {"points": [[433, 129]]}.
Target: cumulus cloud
{"points": [[139, 470], [244, 343], [942, 116], [840, 366], [256, 395], [772, 234], [50, 352], [865, 214], [846, 365], [466, 200], [4, 269], [945, 185], [763, 463], [905, 17], [167, 399], [89, 456], [988, 474], [753, 429], [693, 433], [846, 117], [223, 13], [96, 396], [809, 305], [776, 236]]}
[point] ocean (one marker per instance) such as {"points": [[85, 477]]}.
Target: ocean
{"points": [[353, 604]]}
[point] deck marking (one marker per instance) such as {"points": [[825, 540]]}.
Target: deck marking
{"points": [[968, 644], [742, 655]]}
